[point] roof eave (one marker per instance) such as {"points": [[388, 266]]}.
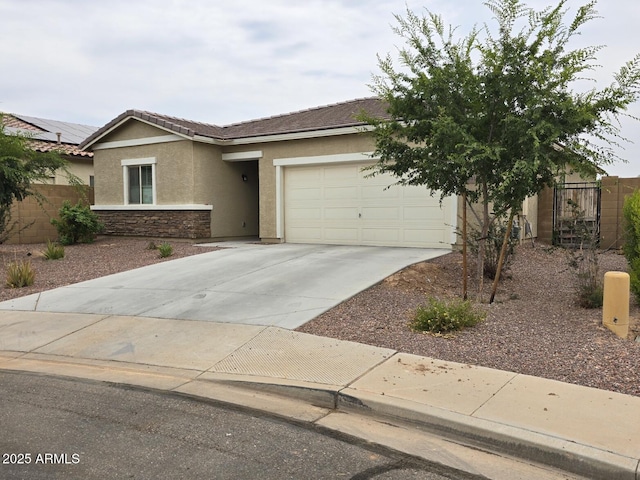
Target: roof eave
{"points": [[129, 115], [300, 135]]}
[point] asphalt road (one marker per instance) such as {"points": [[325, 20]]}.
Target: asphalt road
{"points": [[56, 428]]}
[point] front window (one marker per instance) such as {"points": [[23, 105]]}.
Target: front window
{"points": [[140, 184], [139, 181]]}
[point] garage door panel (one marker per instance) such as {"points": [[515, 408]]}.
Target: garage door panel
{"points": [[305, 214], [381, 235], [341, 213], [341, 235], [340, 204], [337, 174], [378, 214], [376, 192], [341, 193], [422, 213], [297, 194], [304, 176]]}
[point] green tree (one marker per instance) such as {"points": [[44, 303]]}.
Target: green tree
{"points": [[20, 168], [497, 107]]}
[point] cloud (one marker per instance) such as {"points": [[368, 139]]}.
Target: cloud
{"points": [[223, 62]]}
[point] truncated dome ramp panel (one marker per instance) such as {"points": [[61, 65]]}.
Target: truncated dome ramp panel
{"points": [[280, 353]]}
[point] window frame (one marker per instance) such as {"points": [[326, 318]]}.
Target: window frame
{"points": [[139, 162]]}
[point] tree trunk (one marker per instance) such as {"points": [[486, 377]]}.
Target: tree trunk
{"points": [[483, 239], [464, 246], [503, 251]]}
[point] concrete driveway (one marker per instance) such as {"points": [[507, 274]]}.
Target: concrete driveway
{"points": [[283, 285]]}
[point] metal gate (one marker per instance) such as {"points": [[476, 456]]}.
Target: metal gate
{"points": [[576, 214]]}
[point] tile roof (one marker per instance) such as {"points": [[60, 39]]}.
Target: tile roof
{"points": [[320, 118], [336, 115], [44, 133]]}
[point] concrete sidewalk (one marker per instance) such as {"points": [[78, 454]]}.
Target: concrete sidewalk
{"points": [[425, 407]]}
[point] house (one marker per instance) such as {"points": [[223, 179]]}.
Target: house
{"points": [[47, 135], [296, 177]]}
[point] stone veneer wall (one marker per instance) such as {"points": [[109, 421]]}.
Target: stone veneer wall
{"points": [[157, 223]]}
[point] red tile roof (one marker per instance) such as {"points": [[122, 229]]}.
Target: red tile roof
{"points": [[315, 119]]}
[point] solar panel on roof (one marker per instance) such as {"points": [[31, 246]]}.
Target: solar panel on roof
{"points": [[70, 132]]}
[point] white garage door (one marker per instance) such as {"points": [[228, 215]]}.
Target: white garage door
{"points": [[338, 204]]}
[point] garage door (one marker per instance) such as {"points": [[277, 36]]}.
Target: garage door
{"points": [[339, 204]]}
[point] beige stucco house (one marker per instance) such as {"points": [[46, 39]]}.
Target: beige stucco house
{"points": [[296, 177]]}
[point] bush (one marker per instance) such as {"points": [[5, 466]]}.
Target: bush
{"points": [[77, 224], [53, 251], [631, 214], [20, 274], [443, 317], [590, 296], [165, 249]]}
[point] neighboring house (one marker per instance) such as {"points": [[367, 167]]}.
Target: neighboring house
{"points": [[290, 178], [47, 135]]}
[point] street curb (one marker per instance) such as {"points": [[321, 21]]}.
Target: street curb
{"points": [[540, 448], [544, 449], [525, 444]]}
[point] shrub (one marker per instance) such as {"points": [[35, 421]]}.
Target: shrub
{"points": [[165, 249], [20, 274], [53, 251], [77, 223], [442, 317], [631, 214], [590, 296]]}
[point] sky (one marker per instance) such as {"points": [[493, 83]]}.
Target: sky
{"points": [[227, 61]]}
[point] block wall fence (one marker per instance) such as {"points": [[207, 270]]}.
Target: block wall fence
{"points": [[34, 220]]}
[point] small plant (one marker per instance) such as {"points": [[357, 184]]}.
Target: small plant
{"points": [[53, 251], [165, 249], [20, 274], [590, 296], [77, 223], [152, 245], [443, 317]]}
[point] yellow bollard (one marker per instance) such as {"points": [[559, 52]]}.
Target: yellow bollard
{"points": [[615, 303]]}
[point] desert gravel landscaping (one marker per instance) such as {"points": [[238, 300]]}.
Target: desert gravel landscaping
{"points": [[533, 328]]}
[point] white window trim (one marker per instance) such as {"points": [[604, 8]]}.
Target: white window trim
{"points": [[135, 162]]}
